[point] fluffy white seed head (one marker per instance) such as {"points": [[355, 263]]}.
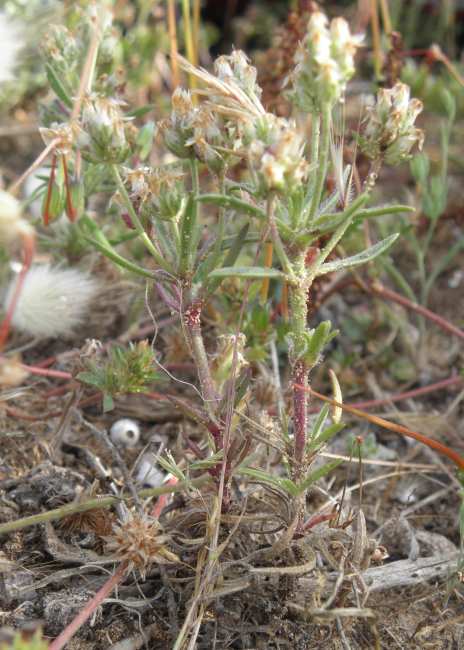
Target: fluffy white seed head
{"points": [[125, 432], [52, 302], [10, 44], [12, 225]]}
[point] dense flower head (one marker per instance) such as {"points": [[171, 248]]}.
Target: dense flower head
{"points": [[389, 130], [324, 63], [276, 152], [156, 191], [102, 137], [193, 131]]}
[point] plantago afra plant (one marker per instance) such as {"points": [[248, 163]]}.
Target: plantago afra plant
{"points": [[277, 196]]}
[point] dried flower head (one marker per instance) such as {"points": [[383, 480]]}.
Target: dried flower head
{"points": [[324, 63], [65, 132], [52, 302], [140, 542], [102, 136], [389, 132]]}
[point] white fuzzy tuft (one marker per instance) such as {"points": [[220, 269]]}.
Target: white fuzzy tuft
{"points": [[10, 44], [52, 302]]}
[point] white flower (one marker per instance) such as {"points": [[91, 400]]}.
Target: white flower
{"points": [[52, 302], [10, 44]]}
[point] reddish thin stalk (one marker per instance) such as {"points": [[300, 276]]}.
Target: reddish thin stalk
{"points": [[445, 325], [457, 459], [162, 501], [69, 631], [37, 162], [398, 397], [46, 372], [28, 254]]}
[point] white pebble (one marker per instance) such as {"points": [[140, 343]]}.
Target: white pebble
{"points": [[148, 473], [125, 432]]}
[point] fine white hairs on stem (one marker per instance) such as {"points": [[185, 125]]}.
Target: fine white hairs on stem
{"points": [[52, 301]]}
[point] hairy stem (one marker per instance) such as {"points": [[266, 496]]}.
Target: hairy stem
{"points": [[300, 370], [192, 322]]}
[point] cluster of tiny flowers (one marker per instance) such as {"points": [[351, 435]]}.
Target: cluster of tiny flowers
{"points": [[52, 302], [389, 132], [102, 136], [61, 48], [324, 63], [156, 191], [276, 153], [140, 542]]}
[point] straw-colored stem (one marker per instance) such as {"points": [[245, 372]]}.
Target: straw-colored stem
{"points": [[173, 43]]}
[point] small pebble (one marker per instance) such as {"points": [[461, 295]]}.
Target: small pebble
{"points": [[148, 473], [125, 432]]}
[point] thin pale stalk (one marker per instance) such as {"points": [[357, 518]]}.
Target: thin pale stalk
{"points": [[90, 607], [35, 165], [189, 44]]}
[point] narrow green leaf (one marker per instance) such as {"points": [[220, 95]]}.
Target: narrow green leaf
{"points": [[312, 477], [139, 112], [57, 86], [234, 203], [252, 272], [361, 258], [325, 435], [100, 242], [284, 484], [319, 423]]}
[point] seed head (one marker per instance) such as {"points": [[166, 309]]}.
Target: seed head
{"points": [[389, 130], [12, 226], [52, 302], [140, 542], [10, 45]]}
